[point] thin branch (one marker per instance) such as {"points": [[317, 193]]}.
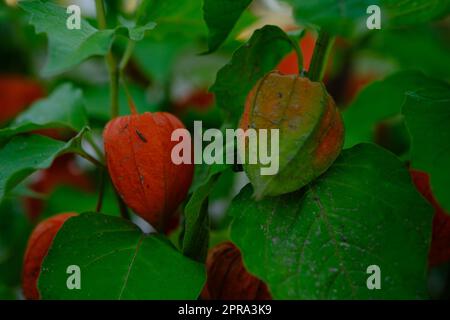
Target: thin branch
{"points": [[127, 55], [101, 192], [122, 207], [94, 146], [100, 10], [90, 158], [111, 63], [319, 60]]}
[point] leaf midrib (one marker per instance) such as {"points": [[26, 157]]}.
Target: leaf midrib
{"points": [[323, 215], [133, 258]]}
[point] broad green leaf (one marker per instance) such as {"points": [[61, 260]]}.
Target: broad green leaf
{"points": [[414, 12], [168, 43], [413, 47], [23, 155], [67, 48], [249, 63], [427, 116], [317, 243], [336, 17], [117, 261], [347, 17], [62, 109], [15, 228], [173, 18], [238, 34], [220, 17], [379, 101]]}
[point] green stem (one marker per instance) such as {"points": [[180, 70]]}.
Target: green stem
{"points": [[113, 85], [122, 65], [298, 51], [111, 62], [101, 18], [127, 55], [94, 146], [101, 192], [130, 100], [114, 71], [90, 158], [122, 207], [320, 55]]}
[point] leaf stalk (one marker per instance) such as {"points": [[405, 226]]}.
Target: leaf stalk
{"points": [[320, 56]]}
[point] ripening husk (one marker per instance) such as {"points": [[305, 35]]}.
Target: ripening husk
{"points": [[311, 131], [138, 154], [227, 278], [37, 248]]}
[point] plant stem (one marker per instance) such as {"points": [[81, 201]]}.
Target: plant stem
{"points": [[113, 85], [298, 51], [321, 51], [130, 100], [111, 63], [127, 55], [94, 146], [101, 192], [90, 158], [114, 72], [101, 18], [122, 207], [122, 65]]}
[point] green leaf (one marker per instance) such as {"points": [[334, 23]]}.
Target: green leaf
{"points": [[379, 101], [137, 32], [347, 17], [220, 17], [67, 48], [249, 63], [225, 188], [427, 116], [23, 155], [196, 227], [15, 228], [204, 173], [317, 243], [414, 12], [64, 108], [410, 48], [336, 17], [235, 37], [117, 261], [173, 18]]}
